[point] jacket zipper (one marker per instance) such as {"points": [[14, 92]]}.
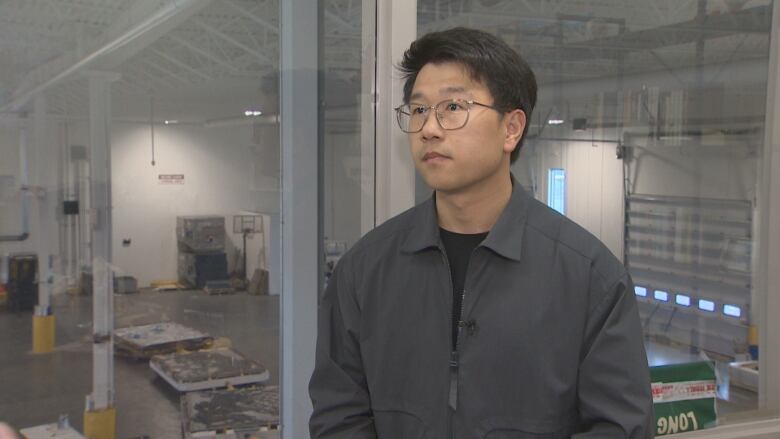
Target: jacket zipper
{"points": [[452, 399], [455, 355]]}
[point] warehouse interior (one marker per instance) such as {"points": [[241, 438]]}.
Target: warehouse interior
{"points": [[141, 183]]}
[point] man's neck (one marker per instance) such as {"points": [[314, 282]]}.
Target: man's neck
{"points": [[475, 210]]}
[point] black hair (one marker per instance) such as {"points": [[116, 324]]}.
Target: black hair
{"points": [[487, 59]]}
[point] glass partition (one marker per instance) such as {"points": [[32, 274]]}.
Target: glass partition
{"points": [[346, 123], [139, 215], [655, 111]]}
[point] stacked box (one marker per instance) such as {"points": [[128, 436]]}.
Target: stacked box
{"points": [[201, 242], [684, 397], [125, 285], [201, 234], [196, 270]]}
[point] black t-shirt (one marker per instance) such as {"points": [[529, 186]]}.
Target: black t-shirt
{"points": [[459, 248]]}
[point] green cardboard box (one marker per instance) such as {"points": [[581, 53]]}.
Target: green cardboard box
{"points": [[684, 397]]}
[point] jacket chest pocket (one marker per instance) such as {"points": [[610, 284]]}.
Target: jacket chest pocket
{"points": [[511, 428], [398, 424]]}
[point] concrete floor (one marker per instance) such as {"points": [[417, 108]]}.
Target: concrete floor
{"points": [[37, 389]]}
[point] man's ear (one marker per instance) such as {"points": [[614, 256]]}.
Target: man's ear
{"points": [[515, 125]]}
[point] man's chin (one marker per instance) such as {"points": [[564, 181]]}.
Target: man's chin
{"points": [[442, 185]]}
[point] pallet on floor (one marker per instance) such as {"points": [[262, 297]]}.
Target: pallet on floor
{"points": [[231, 414], [144, 342], [208, 369]]}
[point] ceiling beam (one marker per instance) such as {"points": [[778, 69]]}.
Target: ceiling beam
{"points": [[252, 16], [204, 53], [181, 64], [211, 29], [111, 49]]}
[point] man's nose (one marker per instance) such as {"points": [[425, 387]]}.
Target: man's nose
{"points": [[431, 127]]}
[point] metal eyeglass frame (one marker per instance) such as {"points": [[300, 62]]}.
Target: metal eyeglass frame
{"points": [[435, 109]]}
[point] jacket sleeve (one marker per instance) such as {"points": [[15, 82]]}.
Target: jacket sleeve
{"points": [[338, 388], [615, 400]]}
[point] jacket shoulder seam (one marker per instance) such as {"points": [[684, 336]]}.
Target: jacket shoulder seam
{"points": [[595, 269]]}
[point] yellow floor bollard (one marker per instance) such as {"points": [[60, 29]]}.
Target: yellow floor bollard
{"points": [[100, 424], [43, 334]]}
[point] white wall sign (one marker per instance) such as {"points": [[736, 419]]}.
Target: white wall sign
{"points": [[170, 178]]}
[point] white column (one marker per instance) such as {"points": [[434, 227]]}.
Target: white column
{"points": [[768, 236], [396, 29], [44, 195], [102, 396], [368, 95], [84, 235], [300, 241]]}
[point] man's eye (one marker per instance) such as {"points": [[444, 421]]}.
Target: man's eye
{"points": [[419, 110], [454, 106]]}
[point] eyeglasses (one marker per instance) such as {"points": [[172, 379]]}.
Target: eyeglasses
{"points": [[451, 114]]}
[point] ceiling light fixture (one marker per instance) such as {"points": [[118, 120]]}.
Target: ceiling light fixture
{"points": [[554, 117], [253, 113], [171, 122]]}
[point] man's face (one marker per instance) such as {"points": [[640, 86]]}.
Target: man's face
{"points": [[454, 161]]}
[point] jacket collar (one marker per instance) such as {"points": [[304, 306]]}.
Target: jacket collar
{"points": [[505, 238]]}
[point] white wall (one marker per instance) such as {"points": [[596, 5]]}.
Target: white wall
{"points": [[220, 178], [227, 170], [10, 221], [721, 172], [594, 194], [43, 174], [714, 165]]}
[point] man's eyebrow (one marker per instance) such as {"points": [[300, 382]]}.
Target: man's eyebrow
{"points": [[442, 91], [452, 89]]}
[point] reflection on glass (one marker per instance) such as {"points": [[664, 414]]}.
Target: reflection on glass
{"points": [[661, 295], [556, 190], [656, 112], [682, 299], [347, 162], [706, 305], [732, 311]]}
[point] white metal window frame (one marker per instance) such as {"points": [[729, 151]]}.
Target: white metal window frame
{"points": [[299, 221], [386, 163], [767, 273], [396, 28]]}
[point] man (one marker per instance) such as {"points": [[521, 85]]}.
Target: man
{"points": [[480, 313]]}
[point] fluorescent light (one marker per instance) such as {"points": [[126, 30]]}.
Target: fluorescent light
{"points": [[706, 305], [675, 137], [171, 122], [640, 291], [266, 119], [661, 295], [253, 113], [682, 299], [555, 121], [732, 311]]}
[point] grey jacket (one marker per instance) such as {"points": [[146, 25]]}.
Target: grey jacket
{"points": [[550, 345]]}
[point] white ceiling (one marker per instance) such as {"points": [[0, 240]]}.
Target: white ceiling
{"points": [[226, 52]]}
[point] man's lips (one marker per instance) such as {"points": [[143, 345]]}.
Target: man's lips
{"points": [[433, 155]]}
